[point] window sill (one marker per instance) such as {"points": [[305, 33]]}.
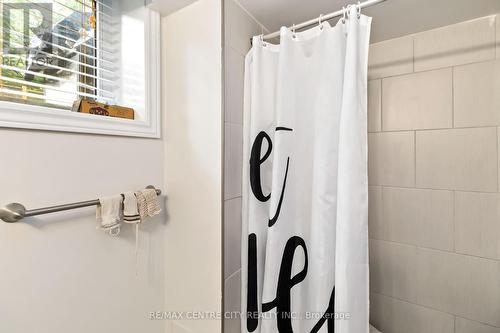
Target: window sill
{"points": [[15, 115]]}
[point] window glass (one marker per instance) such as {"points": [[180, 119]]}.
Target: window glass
{"points": [[52, 53]]}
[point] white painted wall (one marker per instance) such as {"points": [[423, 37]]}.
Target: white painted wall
{"points": [[58, 272], [192, 56]]}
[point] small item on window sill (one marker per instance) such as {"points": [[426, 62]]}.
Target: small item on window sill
{"points": [[101, 109], [92, 19], [76, 105]]}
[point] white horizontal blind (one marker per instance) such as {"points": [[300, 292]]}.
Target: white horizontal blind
{"points": [[56, 51]]}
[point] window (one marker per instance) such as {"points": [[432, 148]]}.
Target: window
{"points": [[52, 53], [55, 52]]}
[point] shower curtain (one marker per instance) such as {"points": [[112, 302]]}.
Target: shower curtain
{"points": [[305, 201]]}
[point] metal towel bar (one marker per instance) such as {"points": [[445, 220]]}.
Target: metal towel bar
{"points": [[14, 212]]}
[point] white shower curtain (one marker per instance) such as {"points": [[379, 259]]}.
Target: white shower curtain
{"points": [[305, 201]]}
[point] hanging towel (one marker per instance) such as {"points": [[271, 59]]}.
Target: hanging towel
{"points": [[142, 206], [152, 202], [147, 203], [130, 209], [109, 213]]}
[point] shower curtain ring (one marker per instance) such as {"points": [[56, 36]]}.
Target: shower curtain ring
{"points": [[262, 40], [293, 30], [344, 14], [319, 21], [358, 9]]}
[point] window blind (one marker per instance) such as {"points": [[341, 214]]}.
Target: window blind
{"points": [[56, 51]]}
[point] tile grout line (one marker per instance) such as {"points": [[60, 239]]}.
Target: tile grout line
{"points": [[262, 26], [434, 129], [415, 159], [232, 274], [434, 69], [435, 249], [477, 322], [236, 50], [433, 189], [496, 36], [232, 199], [454, 221], [415, 188], [413, 52], [433, 309], [414, 132], [381, 212], [498, 159], [381, 105], [453, 97], [414, 303]]}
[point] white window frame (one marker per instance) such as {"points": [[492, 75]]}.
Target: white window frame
{"points": [[18, 115]]}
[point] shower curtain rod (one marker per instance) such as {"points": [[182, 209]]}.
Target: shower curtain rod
{"points": [[324, 18]]}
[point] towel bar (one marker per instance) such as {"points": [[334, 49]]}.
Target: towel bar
{"points": [[14, 212]]}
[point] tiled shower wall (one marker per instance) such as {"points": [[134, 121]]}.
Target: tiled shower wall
{"points": [[239, 26], [434, 112]]}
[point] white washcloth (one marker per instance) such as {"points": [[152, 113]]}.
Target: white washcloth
{"points": [[130, 210], [109, 214]]}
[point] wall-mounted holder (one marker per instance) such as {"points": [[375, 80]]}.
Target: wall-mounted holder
{"points": [[15, 212]]}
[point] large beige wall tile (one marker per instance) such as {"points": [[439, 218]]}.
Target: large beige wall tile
{"points": [[467, 42], [463, 285], [390, 315], [393, 269], [374, 106], [477, 224], [418, 101], [476, 98], [391, 57], [375, 221], [233, 93], [232, 236], [233, 159], [399, 206], [463, 325], [419, 217], [232, 297], [457, 159], [391, 159]]}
